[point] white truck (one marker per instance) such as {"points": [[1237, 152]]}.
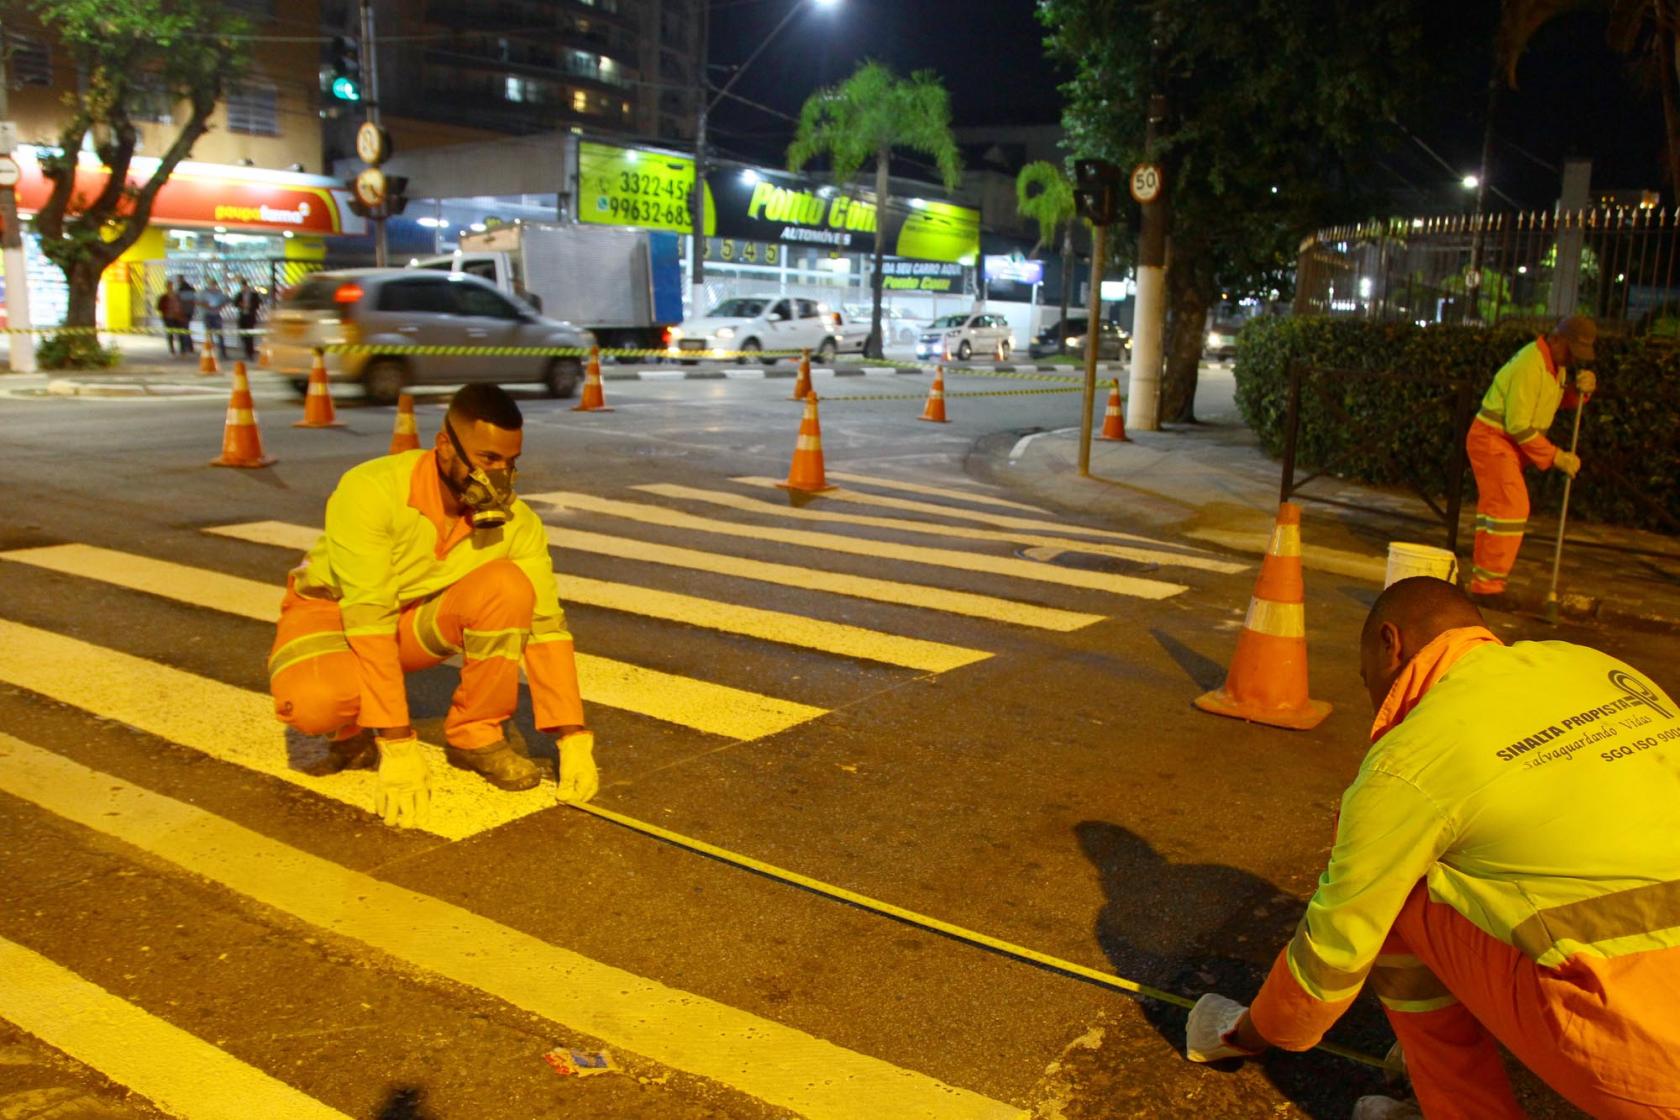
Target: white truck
{"points": [[625, 285]]}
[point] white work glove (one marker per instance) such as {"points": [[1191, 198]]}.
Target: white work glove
{"points": [[404, 795], [1211, 1020], [579, 780], [1586, 382], [1567, 462]]}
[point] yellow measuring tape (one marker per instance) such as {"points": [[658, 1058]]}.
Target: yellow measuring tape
{"points": [[910, 917]]}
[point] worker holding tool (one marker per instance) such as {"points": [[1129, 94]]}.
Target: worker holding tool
{"points": [[1506, 867], [429, 554], [1510, 431]]}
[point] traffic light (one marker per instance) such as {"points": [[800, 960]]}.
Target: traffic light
{"points": [[1096, 191], [346, 81]]}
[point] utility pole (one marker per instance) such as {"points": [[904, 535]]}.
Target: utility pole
{"points": [[697, 191], [1149, 312], [1093, 343], [370, 94], [11, 238]]}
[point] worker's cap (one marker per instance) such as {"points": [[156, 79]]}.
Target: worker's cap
{"points": [[1580, 331]]}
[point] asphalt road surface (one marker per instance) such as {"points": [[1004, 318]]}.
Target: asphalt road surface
{"points": [[917, 688]]}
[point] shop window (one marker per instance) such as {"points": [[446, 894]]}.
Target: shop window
{"points": [[253, 108], [518, 89], [31, 62], [152, 101], [580, 101]]}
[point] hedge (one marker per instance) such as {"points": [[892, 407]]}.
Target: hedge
{"points": [[1631, 430]]}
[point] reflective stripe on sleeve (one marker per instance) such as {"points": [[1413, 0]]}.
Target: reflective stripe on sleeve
{"points": [[1322, 981]]}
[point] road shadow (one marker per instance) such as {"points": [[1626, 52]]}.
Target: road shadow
{"points": [[1206, 673], [1193, 928], [405, 1102]]}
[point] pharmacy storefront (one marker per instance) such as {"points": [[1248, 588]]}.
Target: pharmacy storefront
{"points": [[210, 222], [772, 232]]}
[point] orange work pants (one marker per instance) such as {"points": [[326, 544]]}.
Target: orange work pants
{"points": [[485, 617], [1501, 506], [1605, 1033]]}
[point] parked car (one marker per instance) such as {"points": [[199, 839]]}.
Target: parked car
{"points": [[898, 326], [751, 324], [1222, 336], [402, 307], [963, 336], [1067, 337], [851, 335]]}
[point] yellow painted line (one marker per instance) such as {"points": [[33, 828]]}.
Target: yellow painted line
{"points": [[713, 708], [1358, 565], [855, 546], [810, 513], [779, 1065], [935, 491], [964, 603], [180, 1073]]}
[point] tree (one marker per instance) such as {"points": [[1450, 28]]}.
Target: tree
{"points": [[1272, 111], [1044, 193], [865, 118], [128, 53]]}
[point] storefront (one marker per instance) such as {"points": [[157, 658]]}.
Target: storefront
{"points": [[209, 222]]}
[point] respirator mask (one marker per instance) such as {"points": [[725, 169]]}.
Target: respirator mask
{"points": [[487, 494]]}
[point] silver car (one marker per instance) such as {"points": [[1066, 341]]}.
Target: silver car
{"points": [[405, 307]]}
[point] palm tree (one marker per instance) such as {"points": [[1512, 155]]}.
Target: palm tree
{"points": [[866, 117], [1044, 193]]}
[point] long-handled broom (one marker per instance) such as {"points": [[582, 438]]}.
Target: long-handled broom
{"points": [[1563, 521]]}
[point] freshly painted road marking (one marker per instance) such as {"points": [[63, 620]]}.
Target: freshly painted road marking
{"points": [[713, 708], [1068, 544], [935, 491], [857, 546], [1335, 561], [777, 1064], [180, 1073], [964, 603]]}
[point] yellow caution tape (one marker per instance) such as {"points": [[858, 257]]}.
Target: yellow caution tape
{"points": [[123, 330], [910, 917], [951, 393]]}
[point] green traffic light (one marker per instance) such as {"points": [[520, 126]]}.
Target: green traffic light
{"points": [[346, 89]]}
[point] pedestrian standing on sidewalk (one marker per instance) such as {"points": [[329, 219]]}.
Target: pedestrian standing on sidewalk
{"points": [[1510, 432], [247, 306], [169, 312], [215, 301], [188, 295]]}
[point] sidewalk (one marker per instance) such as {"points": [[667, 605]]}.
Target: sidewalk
{"points": [[1212, 482]]}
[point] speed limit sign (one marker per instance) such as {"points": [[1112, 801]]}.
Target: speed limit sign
{"points": [[1146, 182]]}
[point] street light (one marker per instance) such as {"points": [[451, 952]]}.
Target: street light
{"points": [[1470, 182], [703, 107]]}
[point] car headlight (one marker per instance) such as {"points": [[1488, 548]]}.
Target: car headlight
{"points": [[726, 332], [1071, 341]]}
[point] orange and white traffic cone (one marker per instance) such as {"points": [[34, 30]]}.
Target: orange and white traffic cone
{"points": [[802, 385], [594, 399], [265, 355], [934, 410], [405, 434], [241, 440], [318, 409], [1267, 682], [1114, 425], [207, 360], [806, 473]]}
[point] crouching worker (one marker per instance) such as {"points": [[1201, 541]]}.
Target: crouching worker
{"points": [[428, 554], [1506, 867]]}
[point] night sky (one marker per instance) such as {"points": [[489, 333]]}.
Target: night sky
{"points": [[1575, 96]]}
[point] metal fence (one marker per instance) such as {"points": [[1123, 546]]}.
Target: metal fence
{"points": [[1620, 264]]}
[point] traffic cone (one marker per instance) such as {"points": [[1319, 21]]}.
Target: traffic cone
{"points": [[207, 361], [934, 410], [806, 473], [802, 385], [265, 355], [1267, 682], [241, 440], [594, 400], [405, 435], [1114, 425], [318, 403]]}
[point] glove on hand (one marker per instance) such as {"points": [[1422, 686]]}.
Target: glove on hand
{"points": [[1212, 1019], [1586, 382], [404, 795], [1567, 462], [579, 780]]}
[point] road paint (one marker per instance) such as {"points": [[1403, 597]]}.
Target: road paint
{"points": [[1054, 544], [934, 491], [179, 1072], [1022, 444], [774, 1063], [1355, 564], [713, 708], [969, 604], [856, 546]]}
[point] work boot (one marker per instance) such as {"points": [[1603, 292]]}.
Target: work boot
{"points": [[1385, 1108], [354, 752], [499, 764]]}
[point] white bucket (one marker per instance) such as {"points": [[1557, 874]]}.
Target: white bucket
{"points": [[1406, 560]]}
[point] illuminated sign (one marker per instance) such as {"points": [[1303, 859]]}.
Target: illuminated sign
{"points": [[1012, 271], [921, 276]]}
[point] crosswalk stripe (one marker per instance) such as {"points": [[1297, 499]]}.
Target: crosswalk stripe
{"points": [[179, 1072], [856, 546], [807, 513], [780, 1065], [935, 491], [713, 708], [969, 604]]}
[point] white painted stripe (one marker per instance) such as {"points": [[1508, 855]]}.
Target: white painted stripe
{"points": [[661, 374], [744, 374], [1068, 544], [782, 1066], [713, 708], [855, 546], [1280, 620], [970, 604], [934, 491], [180, 1073]]}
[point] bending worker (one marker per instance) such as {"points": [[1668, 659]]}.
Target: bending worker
{"points": [[1510, 430], [1506, 866], [428, 554]]}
